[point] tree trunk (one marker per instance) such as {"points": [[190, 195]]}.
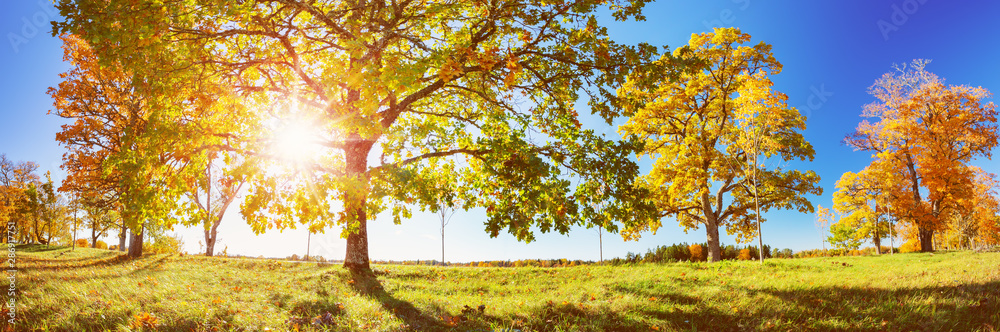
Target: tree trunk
{"points": [[38, 231], [209, 243], [714, 251], [121, 237], [135, 243], [93, 236], [926, 239], [712, 229], [878, 242], [212, 235], [926, 230], [600, 242], [925, 234], [356, 156], [357, 244]]}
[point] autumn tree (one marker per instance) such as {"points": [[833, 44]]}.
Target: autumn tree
{"points": [[824, 217], [396, 91], [843, 236], [857, 200], [98, 218], [975, 222], [117, 143], [15, 178], [697, 126], [927, 132], [213, 193], [40, 204]]}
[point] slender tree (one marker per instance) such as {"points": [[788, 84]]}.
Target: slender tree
{"points": [[445, 212], [824, 217], [214, 192]]}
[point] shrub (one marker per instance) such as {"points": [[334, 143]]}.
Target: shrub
{"points": [[101, 245], [911, 245], [166, 244], [697, 253], [83, 243], [745, 255]]}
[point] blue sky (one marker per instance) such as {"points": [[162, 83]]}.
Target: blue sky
{"points": [[832, 51]]}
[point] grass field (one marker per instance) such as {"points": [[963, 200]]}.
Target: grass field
{"points": [[93, 290]]}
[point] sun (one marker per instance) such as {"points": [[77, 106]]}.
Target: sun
{"points": [[296, 142]]}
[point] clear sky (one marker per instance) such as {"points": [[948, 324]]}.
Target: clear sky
{"points": [[832, 51]]}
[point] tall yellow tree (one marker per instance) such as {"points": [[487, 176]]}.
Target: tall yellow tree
{"points": [[708, 130], [928, 132]]}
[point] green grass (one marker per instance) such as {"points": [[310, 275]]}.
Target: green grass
{"points": [[91, 289]]}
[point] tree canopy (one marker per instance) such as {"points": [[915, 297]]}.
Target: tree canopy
{"points": [[398, 94], [924, 136], [703, 126]]}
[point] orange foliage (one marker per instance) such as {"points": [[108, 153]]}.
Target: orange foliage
{"points": [[144, 320], [744, 255], [925, 135], [697, 252]]}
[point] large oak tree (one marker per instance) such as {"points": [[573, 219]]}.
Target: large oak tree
{"points": [[396, 93], [927, 132]]}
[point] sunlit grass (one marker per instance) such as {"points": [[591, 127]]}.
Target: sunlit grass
{"points": [[98, 290]]}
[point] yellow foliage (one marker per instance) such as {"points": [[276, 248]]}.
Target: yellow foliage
{"points": [[911, 245]]}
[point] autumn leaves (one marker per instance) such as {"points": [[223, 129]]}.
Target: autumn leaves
{"points": [[923, 136]]}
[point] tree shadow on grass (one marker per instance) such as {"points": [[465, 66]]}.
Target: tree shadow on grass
{"points": [[71, 260], [33, 248], [963, 307], [365, 283], [547, 317], [104, 260]]}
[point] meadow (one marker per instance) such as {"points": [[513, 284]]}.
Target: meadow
{"points": [[95, 290]]}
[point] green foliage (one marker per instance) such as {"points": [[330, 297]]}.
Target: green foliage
{"points": [[843, 236]]}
